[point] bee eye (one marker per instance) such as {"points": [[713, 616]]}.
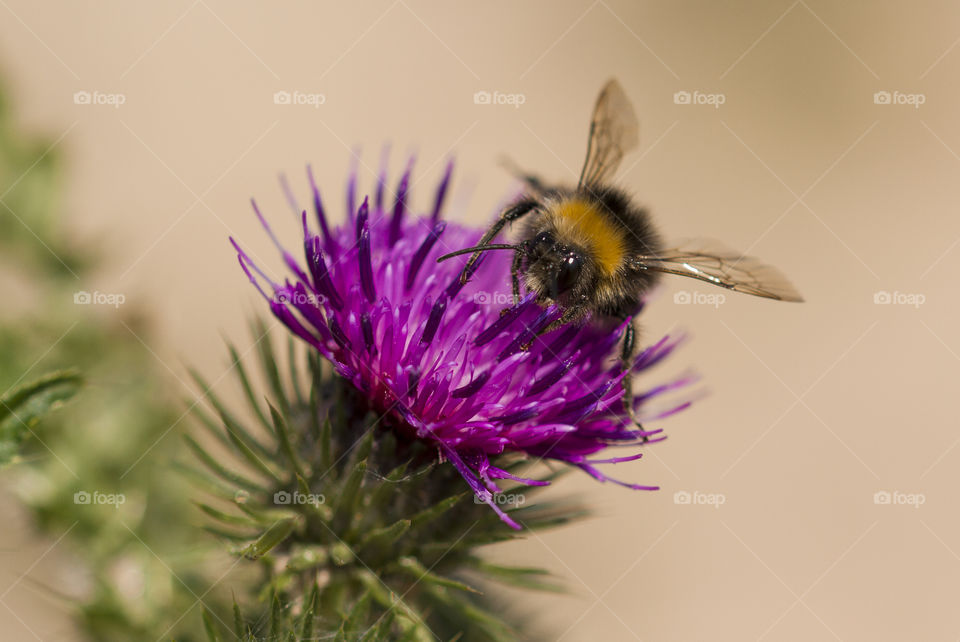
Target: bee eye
{"points": [[543, 241], [568, 272]]}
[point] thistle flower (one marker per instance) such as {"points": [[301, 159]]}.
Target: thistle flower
{"points": [[460, 366]]}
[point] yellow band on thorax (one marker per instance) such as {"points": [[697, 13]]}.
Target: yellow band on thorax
{"points": [[584, 221]]}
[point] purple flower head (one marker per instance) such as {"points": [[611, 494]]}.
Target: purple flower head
{"points": [[461, 367]]}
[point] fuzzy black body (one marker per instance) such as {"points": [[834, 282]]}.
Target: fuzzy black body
{"points": [[581, 248]]}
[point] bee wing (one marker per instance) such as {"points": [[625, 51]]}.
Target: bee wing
{"points": [[714, 263], [614, 131]]}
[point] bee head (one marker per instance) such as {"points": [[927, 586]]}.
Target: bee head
{"points": [[555, 269]]}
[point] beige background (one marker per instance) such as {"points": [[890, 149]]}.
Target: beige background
{"points": [[812, 409]]}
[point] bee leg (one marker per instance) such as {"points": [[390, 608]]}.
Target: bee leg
{"points": [[568, 315], [515, 278], [515, 275], [512, 213], [626, 361]]}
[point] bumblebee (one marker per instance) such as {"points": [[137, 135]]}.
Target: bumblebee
{"points": [[594, 253]]}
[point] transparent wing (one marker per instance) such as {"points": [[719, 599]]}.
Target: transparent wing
{"points": [[614, 131], [714, 263]]}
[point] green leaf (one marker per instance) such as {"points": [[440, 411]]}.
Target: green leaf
{"points": [[381, 629], [362, 452], [359, 450], [276, 616], [226, 518], [385, 492], [304, 558], [258, 461], [268, 362], [479, 618], [213, 427], [220, 470], [353, 623], [280, 426], [22, 408], [223, 533], [421, 573], [237, 364], [315, 430], [294, 373], [341, 554], [548, 514], [269, 539], [431, 513], [326, 446], [211, 629], [390, 600], [238, 625], [522, 577], [477, 537], [349, 492], [205, 481], [321, 509], [309, 614], [493, 626], [385, 534], [234, 429]]}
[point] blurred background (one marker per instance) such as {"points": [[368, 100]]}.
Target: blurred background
{"points": [[809, 494]]}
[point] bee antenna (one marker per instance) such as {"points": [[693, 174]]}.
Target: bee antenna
{"points": [[478, 248]]}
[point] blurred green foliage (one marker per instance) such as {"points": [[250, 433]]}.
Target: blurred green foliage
{"points": [[22, 407], [139, 560]]}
